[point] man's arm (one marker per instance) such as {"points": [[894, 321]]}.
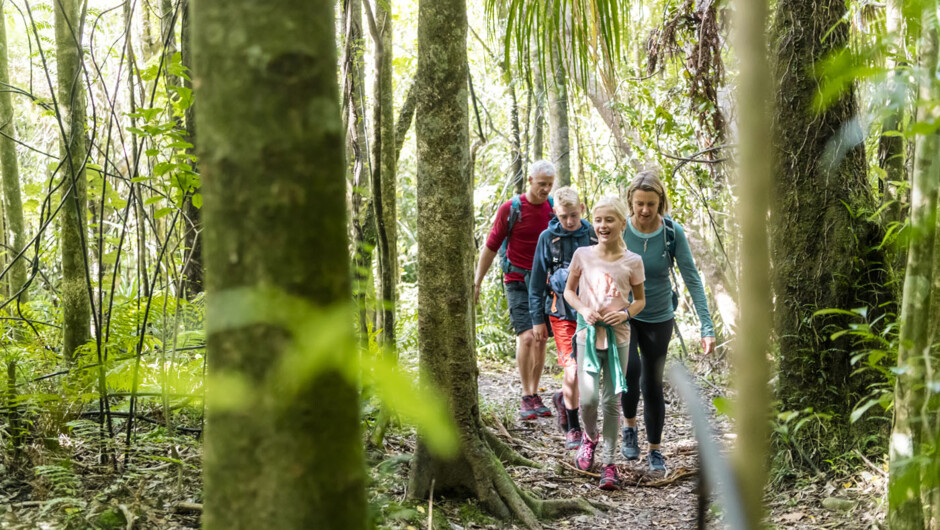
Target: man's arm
{"points": [[486, 261]]}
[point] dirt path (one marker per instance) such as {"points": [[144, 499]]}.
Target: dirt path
{"points": [[670, 506]]}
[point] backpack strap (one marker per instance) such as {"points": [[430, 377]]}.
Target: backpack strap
{"points": [[669, 237]]}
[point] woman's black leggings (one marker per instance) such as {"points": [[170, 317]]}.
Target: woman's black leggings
{"points": [[652, 341]]}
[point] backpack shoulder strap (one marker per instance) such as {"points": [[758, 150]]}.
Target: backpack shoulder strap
{"points": [[515, 212], [669, 233]]}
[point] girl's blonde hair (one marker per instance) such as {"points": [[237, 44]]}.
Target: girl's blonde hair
{"points": [[615, 204], [648, 180]]}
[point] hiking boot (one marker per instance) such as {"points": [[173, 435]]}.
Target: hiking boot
{"points": [[609, 479], [527, 410], [630, 448], [540, 407], [573, 439], [561, 420], [657, 463], [584, 459]]}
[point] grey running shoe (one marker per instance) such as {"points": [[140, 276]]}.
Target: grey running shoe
{"points": [[657, 463], [630, 448], [540, 407]]}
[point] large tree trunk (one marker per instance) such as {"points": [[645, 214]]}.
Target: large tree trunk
{"points": [[911, 422], [76, 309], [13, 216], [558, 117], [446, 338], [275, 217], [824, 251], [754, 180]]}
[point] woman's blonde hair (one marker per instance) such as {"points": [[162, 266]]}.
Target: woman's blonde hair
{"points": [[615, 204], [648, 180]]}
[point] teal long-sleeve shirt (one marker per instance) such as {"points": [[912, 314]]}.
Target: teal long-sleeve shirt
{"points": [[658, 287]]}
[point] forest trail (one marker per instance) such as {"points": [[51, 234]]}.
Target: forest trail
{"points": [[672, 505]]}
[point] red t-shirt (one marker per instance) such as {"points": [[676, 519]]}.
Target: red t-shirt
{"points": [[533, 220]]}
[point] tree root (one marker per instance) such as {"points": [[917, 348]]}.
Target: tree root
{"points": [[507, 454], [554, 508]]}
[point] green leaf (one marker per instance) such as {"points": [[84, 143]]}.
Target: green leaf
{"points": [[197, 200], [162, 212]]}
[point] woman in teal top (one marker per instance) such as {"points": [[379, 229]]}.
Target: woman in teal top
{"points": [[648, 235]]}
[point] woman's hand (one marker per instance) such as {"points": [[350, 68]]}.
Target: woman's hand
{"points": [[708, 344]]}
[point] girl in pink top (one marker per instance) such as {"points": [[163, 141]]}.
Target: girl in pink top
{"points": [[600, 280]]}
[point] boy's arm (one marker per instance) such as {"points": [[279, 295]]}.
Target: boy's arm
{"points": [[537, 280]]}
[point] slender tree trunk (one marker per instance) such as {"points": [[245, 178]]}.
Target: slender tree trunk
{"points": [[538, 119], [755, 176], [558, 118], [891, 148], [515, 141], [384, 184], [363, 220], [168, 23], [825, 253], [911, 423], [194, 270], [14, 226], [76, 310], [148, 39], [275, 217]]}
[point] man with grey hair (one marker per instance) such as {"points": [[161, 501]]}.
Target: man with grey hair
{"points": [[519, 222]]}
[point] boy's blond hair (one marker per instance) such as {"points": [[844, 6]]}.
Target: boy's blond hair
{"points": [[567, 197]]}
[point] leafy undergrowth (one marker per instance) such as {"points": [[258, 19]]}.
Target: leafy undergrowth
{"points": [[68, 485], [76, 481]]}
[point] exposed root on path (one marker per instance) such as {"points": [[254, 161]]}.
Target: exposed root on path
{"points": [[506, 454]]}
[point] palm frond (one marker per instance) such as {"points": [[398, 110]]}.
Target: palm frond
{"points": [[587, 33]]}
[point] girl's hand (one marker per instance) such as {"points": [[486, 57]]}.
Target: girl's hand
{"points": [[592, 316], [615, 318]]}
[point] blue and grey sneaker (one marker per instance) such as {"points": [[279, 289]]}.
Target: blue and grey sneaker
{"points": [[657, 463], [630, 448]]}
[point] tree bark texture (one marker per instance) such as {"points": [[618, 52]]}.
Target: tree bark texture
{"points": [[891, 148], [824, 252], [446, 336], [911, 423], [558, 118], [194, 270], [363, 217], [275, 217], [15, 231], [76, 308], [755, 176], [12, 201], [384, 160]]}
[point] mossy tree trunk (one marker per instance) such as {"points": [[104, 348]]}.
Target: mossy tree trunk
{"points": [[13, 217], [912, 426], [384, 163], [275, 217], [558, 116], [76, 308], [446, 336], [824, 252]]}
